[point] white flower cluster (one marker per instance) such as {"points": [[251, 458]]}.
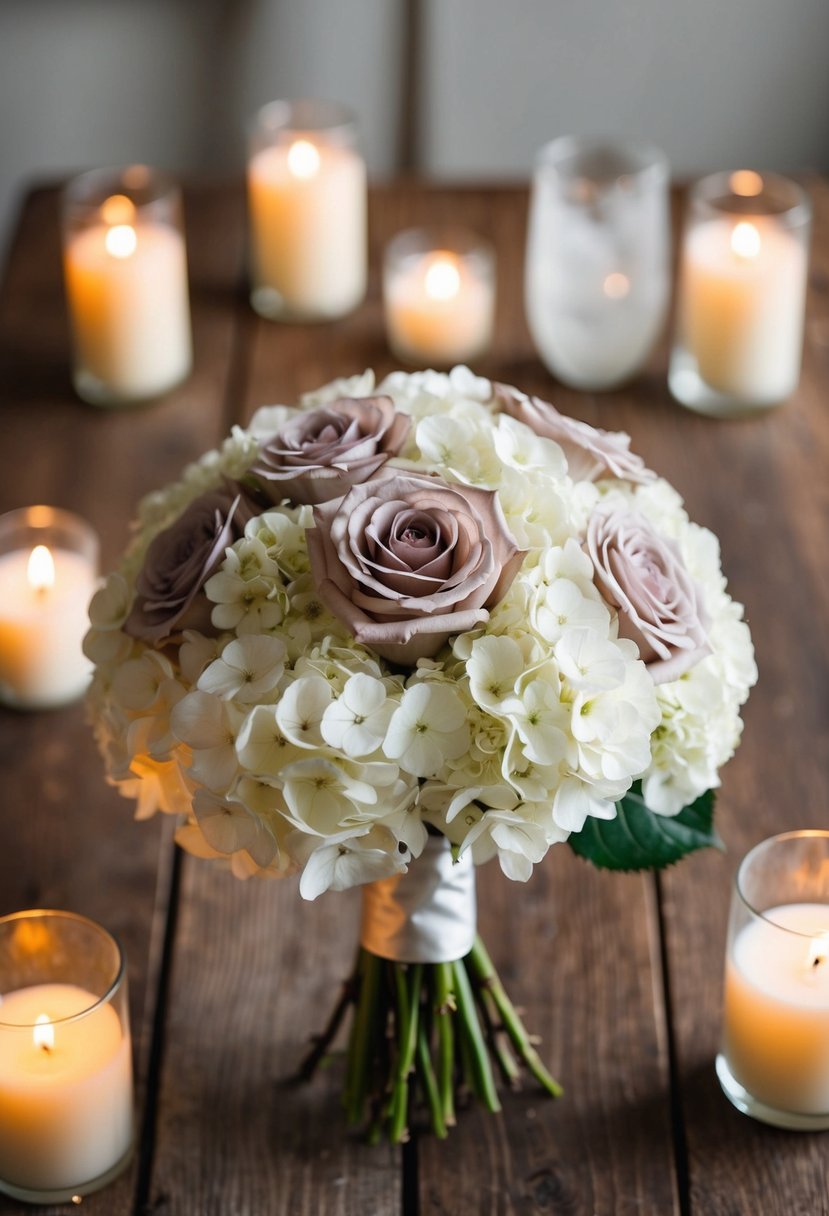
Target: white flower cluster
{"points": [[287, 746]]}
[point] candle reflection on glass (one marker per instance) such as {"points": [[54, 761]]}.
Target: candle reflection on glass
{"points": [[48, 569]]}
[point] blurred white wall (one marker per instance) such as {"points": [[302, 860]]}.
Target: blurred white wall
{"points": [[716, 83]]}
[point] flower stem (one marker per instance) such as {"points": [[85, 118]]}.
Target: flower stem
{"points": [[499, 1040], [444, 1006], [470, 1028], [360, 1047], [408, 1006], [430, 1085], [487, 977]]}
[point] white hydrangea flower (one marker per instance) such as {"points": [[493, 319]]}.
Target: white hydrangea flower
{"points": [[357, 721], [427, 728], [249, 668]]}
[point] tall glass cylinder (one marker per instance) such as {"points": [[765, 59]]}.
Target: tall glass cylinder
{"points": [[307, 200], [774, 1062], [597, 275], [742, 294], [66, 1104], [125, 268]]}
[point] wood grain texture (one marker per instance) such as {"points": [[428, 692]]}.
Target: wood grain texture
{"points": [[69, 840], [254, 969]]}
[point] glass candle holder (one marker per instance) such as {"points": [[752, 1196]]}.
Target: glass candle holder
{"points": [[48, 572], [66, 1104], [125, 269], [439, 296], [742, 294], [774, 1061], [597, 276], [307, 201]]}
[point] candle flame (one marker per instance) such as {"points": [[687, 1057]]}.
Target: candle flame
{"points": [[121, 241], [746, 183], [40, 570], [303, 159], [819, 951], [616, 286], [43, 1032], [442, 280], [745, 240]]}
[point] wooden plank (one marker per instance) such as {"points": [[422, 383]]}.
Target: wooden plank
{"points": [[70, 841], [255, 972]]}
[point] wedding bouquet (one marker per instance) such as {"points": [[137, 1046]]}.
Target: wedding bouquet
{"points": [[401, 630]]}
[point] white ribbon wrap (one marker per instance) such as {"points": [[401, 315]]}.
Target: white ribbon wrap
{"points": [[426, 915]]}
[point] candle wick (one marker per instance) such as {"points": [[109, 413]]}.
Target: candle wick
{"points": [[45, 1047]]}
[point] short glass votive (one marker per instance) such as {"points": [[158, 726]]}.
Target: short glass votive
{"points": [[66, 1095], [438, 296], [125, 270], [774, 1060], [307, 203], [597, 273], [742, 294], [48, 572]]}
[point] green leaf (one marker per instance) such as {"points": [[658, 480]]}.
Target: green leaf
{"points": [[637, 839]]}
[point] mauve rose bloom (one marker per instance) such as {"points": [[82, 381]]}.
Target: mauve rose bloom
{"points": [[180, 560], [591, 452], [642, 575], [320, 454], [406, 561]]}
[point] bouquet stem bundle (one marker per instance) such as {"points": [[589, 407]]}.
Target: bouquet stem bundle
{"points": [[430, 1031]]}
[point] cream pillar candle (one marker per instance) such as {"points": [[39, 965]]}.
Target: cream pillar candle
{"points": [[742, 305], [776, 1021], [125, 269], [308, 213], [774, 1061], [48, 569], [439, 301], [66, 1097], [65, 1088], [741, 294]]}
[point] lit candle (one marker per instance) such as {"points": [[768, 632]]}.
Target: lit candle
{"points": [[125, 268], [65, 1088], [47, 578], [776, 1025], [307, 202], [439, 302], [741, 298]]}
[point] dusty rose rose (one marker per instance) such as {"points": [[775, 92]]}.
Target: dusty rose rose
{"points": [[642, 575], [591, 452], [320, 454], [180, 560], [406, 561]]}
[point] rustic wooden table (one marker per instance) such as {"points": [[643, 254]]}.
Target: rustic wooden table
{"points": [[621, 975]]}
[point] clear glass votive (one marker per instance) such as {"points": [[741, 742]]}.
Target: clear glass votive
{"points": [[742, 294], [774, 1060], [307, 203], [597, 272], [438, 296], [48, 573], [66, 1102], [125, 269]]}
